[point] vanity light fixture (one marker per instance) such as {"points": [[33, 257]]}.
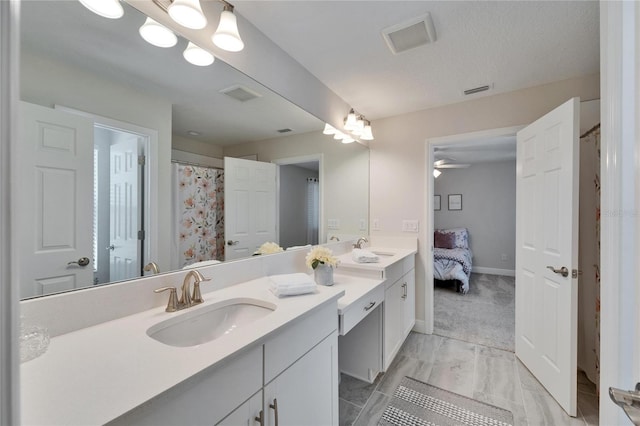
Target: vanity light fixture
{"points": [[197, 55], [338, 135], [359, 128], [347, 139], [111, 9], [350, 122], [157, 34], [227, 36], [187, 13], [367, 134], [329, 129]]}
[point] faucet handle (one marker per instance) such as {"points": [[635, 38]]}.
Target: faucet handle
{"points": [[196, 297], [172, 305]]}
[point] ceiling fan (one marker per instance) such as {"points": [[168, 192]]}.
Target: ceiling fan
{"points": [[449, 163]]}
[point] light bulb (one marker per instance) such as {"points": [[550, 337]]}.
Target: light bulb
{"points": [[367, 134], [227, 36], [187, 13], [350, 123], [111, 9], [348, 139], [157, 34], [339, 135], [197, 55]]}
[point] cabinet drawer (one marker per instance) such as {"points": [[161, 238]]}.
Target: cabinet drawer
{"points": [[408, 263], [393, 273], [297, 339], [360, 309]]}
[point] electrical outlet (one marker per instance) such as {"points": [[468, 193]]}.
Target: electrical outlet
{"points": [[376, 224], [363, 225], [409, 226]]}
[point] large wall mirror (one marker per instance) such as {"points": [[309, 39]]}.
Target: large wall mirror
{"points": [[104, 117]]}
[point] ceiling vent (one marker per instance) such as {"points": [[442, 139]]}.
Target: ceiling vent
{"points": [[410, 34], [240, 93], [284, 130], [478, 89]]}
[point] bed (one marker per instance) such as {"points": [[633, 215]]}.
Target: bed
{"points": [[452, 256]]}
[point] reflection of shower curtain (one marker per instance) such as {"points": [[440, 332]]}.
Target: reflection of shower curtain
{"points": [[198, 214], [589, 258], [313, 201]]}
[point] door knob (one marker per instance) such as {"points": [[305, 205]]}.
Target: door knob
{"points": [[562, 271], [629, 401], [111, 247], [232, 243], [83, 261]]}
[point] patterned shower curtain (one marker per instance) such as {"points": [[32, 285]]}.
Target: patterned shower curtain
{"points": [[198, 214], [589, 310]]}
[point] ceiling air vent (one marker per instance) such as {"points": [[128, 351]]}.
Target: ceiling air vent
{"points": [[477, 89], [410, 34], [240, 93], [284, 130]]}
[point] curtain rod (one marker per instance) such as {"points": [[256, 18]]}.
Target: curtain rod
{"points": [[189, 163]]}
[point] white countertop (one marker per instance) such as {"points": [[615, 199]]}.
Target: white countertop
{"points": [[346, 259], [94, 375]]}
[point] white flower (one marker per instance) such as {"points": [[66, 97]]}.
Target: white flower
{"points": [[269, 248], [321, 255]]}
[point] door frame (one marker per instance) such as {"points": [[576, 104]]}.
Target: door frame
{"points": [[290, 161], [150, 174], [430, 144]]}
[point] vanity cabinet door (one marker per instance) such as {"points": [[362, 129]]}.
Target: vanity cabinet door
{"points": [[306, 393], [247, 414], [393, 321], [409, 302]]}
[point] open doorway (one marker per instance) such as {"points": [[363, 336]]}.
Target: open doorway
{"points": [[299, 201]]}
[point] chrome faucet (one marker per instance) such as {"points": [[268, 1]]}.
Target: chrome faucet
{"points": [[186, 299], [152, 266], [360, 242]]}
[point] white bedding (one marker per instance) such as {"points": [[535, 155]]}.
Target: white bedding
{"points": [[453, 264]]}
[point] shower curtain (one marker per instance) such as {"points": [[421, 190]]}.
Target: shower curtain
{"points": [[198, 201], [589, 256]]}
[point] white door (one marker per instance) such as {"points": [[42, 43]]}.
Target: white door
{"points": [[546, 239], [249, 206], [124, 215], [56, 219]]}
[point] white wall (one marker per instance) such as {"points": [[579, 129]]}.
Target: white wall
{"points": [[345, 188], [488, 210], [293, 202], [47, 82], [398, 179], [182, 143]]}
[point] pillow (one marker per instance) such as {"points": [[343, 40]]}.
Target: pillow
{"points": [[445, 240]]}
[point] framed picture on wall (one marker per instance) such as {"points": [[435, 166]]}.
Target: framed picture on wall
{"points": [[455, 201], [436, 202]]}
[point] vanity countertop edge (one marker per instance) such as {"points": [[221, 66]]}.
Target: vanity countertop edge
{"points": [[94, 375]]}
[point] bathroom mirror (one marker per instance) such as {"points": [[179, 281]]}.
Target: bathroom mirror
{"points": [[152, 101]]}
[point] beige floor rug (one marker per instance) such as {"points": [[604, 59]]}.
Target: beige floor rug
{"points": [[420, 404]]}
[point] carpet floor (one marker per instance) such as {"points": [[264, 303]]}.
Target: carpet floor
{"points": [[485, 315]]}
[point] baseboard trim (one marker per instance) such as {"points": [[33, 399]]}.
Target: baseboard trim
{"points": [[420, 327], [494, 271]]}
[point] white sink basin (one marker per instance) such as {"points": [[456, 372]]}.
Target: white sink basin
{"points": [[203, 325]]}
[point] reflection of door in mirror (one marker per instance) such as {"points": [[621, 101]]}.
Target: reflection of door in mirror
{"points": [[88, 202], [299, 203], [250, 206]]}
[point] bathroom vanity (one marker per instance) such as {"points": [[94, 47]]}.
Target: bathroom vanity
{"points": [[109, 366]]}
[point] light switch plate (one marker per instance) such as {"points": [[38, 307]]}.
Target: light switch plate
{"points": [[409, 226], [363, 225], [376, 224], [333, 224]]}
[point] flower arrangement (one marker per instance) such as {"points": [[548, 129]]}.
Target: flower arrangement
{"points": [[269, 248], [321, 255]]}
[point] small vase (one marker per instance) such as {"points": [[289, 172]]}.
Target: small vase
{"points": [[323, 274]]}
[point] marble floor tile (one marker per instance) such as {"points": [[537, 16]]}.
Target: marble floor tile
{"points": [[403, 366], [372, 412], [348, 412], [527, 380], [517, 409], [496, 374], [355, 391], [543, 410], [454, 367], [421, 346]]}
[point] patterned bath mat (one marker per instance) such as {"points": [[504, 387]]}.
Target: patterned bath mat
{"points": [[420, 404]]}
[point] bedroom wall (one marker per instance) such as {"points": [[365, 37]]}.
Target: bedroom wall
{"points": [[488, 211], [398, 160]]}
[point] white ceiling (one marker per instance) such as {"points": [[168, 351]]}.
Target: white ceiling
{"points": [[510, 44]]}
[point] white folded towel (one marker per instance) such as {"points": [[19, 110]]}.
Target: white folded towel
{"points": [[291, 284], [364, 256]]}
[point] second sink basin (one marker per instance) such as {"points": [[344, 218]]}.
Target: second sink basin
{"points": [[203, 325]]}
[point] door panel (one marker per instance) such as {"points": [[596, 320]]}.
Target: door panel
{"points": [[547, 236], [56, 219]]}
